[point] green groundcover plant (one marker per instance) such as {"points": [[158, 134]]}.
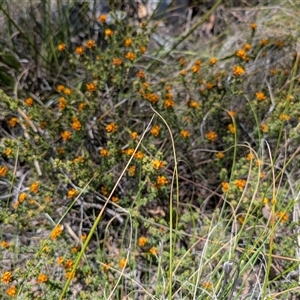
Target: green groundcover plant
{"points": [[134, 171]]}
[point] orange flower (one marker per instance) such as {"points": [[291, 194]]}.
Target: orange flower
{"points": [[207, 285], [12, 291], [16, 204], [146, 85], [259, 162], [79, 50], [219, 155], [104, 152], [225, 186], [28, 101], [75, 249], [102, 18], [70, 275], [83, 237], [131, 171], [60, 150], [111, 127], [42, 278], [71, 193], [69, 264], [117, 61], [161, 180], [46, 249], [78, 159], [240, 183], [6, 277], [90, 44], [129, 151], [81, 106], [264, 128], [265, 201], [108, 32], [184, 134], [155, 130], [231, 113], [193, 104], [134, 135], [56, 232], [60, 88], [104, 190], [209, 85], [157, 164], [260, 96], [264, 42], [91, 87], [153, 98], [195, 68], [284, 117], [61, 47], [241, 54], [238, 70], [250, 156], [262, 175], [127, 42], [231, 128], [4, 244], [22, 197], [76, 125], [67, 91], [66, 135], [247, 47], [60, 260], [139, 155], [143, 49], [241, 219], [211, 135], [168, 103], [105, 267], [283, 216], [13, 121], [31, 201], [140, 74], [47, 199], [130, 55], [182, 61], [34, 187], [142, 241], [213, 61], [198, 62], [7, 152], [114, 199], [123, 263], [62, 103], [253, 26], [3, 171], [153, 251]]}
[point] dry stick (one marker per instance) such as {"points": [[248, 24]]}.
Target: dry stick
{"points": [[202, 20]]}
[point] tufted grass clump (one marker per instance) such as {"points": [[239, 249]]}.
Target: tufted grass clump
{"points": [[133, 172]]}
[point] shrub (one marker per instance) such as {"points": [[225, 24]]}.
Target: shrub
{"points": [[148, 173]]}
